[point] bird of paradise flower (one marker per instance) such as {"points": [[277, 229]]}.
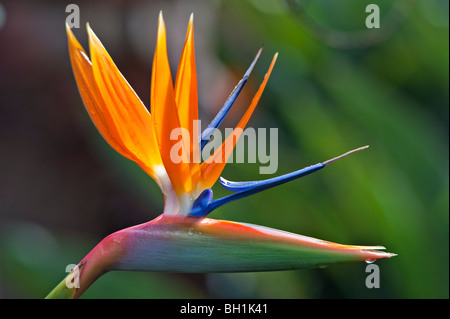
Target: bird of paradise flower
{"points": [[182, 238]]}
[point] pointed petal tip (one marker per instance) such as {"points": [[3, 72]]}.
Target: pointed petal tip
{"points": [[74, 45], [334, 159], [89, 29], [257, 55], [376, 254], [69, 32], [161, 26], [160, 17], [94, 41], [380, 255], [274, 59], [91, 34], [191, 25]]}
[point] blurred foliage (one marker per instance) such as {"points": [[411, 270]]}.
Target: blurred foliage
{"points": [[326, 97], [393, 96]]}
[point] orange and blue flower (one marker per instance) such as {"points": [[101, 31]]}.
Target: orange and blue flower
{"points": [[182, 238]]}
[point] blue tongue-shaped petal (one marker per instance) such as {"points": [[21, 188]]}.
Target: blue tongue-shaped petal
{"points": [[206, 134], [271, 182], [204, 204], [244, 189]]}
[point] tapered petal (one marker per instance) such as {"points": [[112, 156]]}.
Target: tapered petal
{"points": [[206, 134], [165, 116], [92, 99], [214, 165], [186, 98], [112, 119], [244, 189], [128, 113]]}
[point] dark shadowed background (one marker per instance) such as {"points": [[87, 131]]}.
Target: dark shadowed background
{"points": [[337, 85]]}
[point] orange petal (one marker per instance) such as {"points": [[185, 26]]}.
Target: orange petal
{"points": [[186, 99], [126, 113], [214, 165], [93, 101], [165, 114], [95, 104]]}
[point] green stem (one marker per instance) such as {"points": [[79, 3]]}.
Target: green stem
{"points": [[95, 264]]}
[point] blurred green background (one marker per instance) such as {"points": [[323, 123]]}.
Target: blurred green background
{"points": [[337, 85]]}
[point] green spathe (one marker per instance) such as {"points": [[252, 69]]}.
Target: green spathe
{"points": [[201, 245]]}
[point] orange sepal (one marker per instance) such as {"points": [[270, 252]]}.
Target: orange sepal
{"points": [[186, 98], [127, 114], [165, 115], [97, 107], [214, 165]]}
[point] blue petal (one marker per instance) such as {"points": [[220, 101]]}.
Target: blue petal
{"points": [[271, 182], [206, 134], [244, 189], [200, 206], [268, 183]]}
